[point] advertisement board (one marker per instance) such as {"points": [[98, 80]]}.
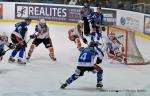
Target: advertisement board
{"points": [[131, 20], [109, 16], [147, 25], [48, 12], [57, 13]]}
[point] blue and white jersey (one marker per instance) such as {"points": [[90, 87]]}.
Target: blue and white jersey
{"points": [[94, 36], [96, 18], [19, 30], [86, 58]]}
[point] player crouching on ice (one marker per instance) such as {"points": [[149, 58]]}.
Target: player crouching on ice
{"points": [[86, 63], [3, 42], [41, 36], [115, 49], [75, 34], [18, 38]]}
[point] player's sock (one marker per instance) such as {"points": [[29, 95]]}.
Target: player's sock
{"points": [[71, 79], [78, 43], [99, 78], [30, 51]]}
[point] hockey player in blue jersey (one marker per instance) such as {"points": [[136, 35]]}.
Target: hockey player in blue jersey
{"points": [[96, 20], [86, 63], [84, 12], [18, 37]]}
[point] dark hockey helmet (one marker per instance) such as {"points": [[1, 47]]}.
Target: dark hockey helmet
{"points": [[86, 5], [28, 19], [93, 44], [99, 7]]}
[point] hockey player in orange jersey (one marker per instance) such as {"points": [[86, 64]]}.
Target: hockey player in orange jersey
{"points": [[42, 36], [76, 34], [115, 49]]}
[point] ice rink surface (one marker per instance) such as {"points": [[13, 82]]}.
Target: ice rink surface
{"points": [[43, 77]]}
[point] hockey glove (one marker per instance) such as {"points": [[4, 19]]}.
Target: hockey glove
{"points": [[12, 46], [25, 44], [2, 53], [98, 60], [84, 40], [103, 28], [18, 47], [24, 30], [32, 36]]}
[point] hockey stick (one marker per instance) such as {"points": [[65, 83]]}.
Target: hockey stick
{"points": [[25, 48], [7, 50], [120, 36]]}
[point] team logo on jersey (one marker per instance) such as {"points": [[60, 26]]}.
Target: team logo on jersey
{"points": [[123, 21], [22, 11]]}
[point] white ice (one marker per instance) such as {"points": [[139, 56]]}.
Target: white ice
{"points": [[43, 77]]}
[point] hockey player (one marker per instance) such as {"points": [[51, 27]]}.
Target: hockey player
{"points": [[115, 49], [85, 11], [96, 20], [3, 42], [75, 34], [18, 38], [41, 36], [86, 63]]}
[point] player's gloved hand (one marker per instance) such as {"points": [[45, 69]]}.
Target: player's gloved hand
{"points": [[18, 47], [92, 22], [24, 30], [12, 46], [2, 53], [103, 28], [98, 60], [24, 44], [32, 36], [84, 40], [99, 34]]}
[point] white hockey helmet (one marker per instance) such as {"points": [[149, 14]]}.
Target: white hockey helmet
{"points": [[3, 36], [111, 35], [42, 21]]}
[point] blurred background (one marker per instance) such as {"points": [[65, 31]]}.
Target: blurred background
{"points": [[142, 6]]}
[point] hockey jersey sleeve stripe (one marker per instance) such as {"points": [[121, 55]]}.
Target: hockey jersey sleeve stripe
{"points": [[100, 53], [19, 40]]}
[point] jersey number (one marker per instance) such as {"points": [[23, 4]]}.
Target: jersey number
{"points": [[83, 56]]}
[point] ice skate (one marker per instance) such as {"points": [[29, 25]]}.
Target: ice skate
{"points": [[1, 58], [11, 60], [21, 62], [52, 57], [63, 86], [28, 58], [99, 84]]}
